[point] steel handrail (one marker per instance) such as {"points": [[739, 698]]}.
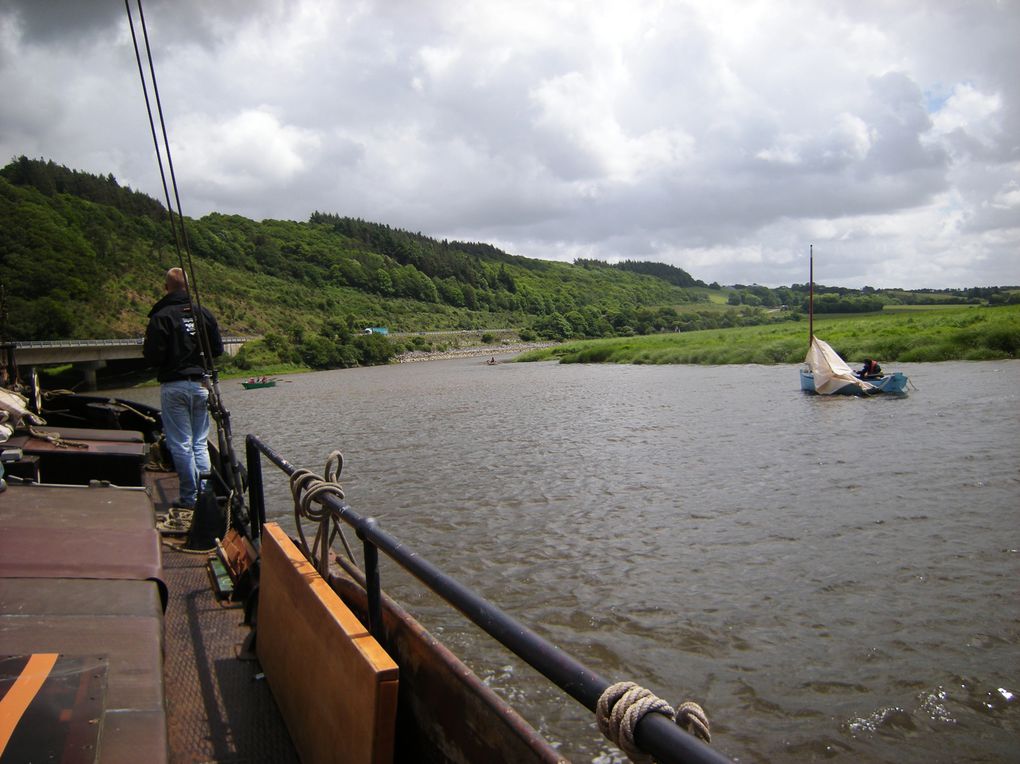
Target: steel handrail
{"points": [[655, 734], [101, 342]]}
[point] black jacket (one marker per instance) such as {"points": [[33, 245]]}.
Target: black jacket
{"points": [[171, 338]]}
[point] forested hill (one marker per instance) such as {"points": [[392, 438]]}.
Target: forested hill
{"points": [[669, 273], [81, 257], [52, 179]]}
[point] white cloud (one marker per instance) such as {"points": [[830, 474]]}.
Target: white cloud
{"points": [[722, 137], [1008, 197], [968, 120], [248, 150], [847, 140], [438, 62]]}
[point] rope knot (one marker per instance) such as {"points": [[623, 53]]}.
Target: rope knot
{"points": [[305, 487], [622, 706], [692, 718]]}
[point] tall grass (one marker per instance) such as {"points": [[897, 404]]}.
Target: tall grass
{"points": [[972, 333]]}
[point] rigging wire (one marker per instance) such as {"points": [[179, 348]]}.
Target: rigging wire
{"points": [[184, 257], [174, 209]]}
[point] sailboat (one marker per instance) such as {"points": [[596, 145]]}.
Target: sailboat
{"points": [[825, 373]]}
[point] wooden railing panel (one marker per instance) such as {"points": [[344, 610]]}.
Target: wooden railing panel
{"points": [[311, 646]]}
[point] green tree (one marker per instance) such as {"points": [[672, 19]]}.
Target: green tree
{"points": [[554, 326], [450, 292], [318, 352], [383, 282], [373, 349]]}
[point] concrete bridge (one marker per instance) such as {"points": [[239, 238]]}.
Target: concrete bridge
{"points": [[91, 355]]}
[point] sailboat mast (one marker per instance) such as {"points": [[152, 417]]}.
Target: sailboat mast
{"points": [[811, 294]]}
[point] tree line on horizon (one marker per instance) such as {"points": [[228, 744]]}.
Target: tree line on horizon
{"points": [[82, 256]]}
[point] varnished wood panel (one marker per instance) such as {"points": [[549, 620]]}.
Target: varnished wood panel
{"points": [[335, 686]]}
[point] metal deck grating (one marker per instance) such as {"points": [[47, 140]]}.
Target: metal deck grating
{"points": [[217, 710]]}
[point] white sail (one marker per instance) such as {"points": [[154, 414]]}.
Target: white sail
{"points": [[831, 373]]}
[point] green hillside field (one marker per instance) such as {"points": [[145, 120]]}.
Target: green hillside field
{"points": [[971, 333], [82, 257]]}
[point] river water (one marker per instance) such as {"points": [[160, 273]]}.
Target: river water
{"points": [[828, 577]]}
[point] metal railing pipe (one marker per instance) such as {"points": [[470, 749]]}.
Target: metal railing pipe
{"points": [[373, 585], [256, 495]]}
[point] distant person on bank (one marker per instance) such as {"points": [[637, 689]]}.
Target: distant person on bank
{"points": [[172, 345]]}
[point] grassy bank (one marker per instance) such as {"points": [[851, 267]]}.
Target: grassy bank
{"points": [[973, 333]]}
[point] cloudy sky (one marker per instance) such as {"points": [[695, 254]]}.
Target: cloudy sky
{"points": [[722, 136]]}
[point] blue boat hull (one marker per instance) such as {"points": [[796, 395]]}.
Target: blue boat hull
{"points": [[895, 383]]}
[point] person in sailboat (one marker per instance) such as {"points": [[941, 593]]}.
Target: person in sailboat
{"points": [[870, 370]]}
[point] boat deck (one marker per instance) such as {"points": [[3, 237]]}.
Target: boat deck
{"points": [[131, 654], [84, 579], [218, 707]]}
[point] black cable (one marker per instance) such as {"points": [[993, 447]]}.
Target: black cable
{"points": [[155, 139], [180, 231], [216, 407]]}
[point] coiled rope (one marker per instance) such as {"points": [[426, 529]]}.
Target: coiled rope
{"points": [[622, 705], [55, 439], [305, 487]]}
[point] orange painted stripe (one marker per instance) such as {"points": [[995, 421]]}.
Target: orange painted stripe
{"points": [[20, 696]]}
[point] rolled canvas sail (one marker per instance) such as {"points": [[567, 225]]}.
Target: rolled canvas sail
{"points": [[831, 372]]}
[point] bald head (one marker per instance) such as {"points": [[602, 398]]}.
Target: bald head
{"points": [[176, 280]]}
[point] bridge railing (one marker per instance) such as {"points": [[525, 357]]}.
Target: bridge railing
{"points": [[104, 342]]}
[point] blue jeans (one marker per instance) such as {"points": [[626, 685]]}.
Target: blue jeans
{"points": [[186, 426]]}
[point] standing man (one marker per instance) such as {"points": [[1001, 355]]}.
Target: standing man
{"points": [[172, 344]]}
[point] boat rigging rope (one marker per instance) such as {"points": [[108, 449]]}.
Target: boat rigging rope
{"points": [[174, 210], [55, 439], [305, 487], [50, 394], [132, 409], [622, 705], [219, 412]]}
